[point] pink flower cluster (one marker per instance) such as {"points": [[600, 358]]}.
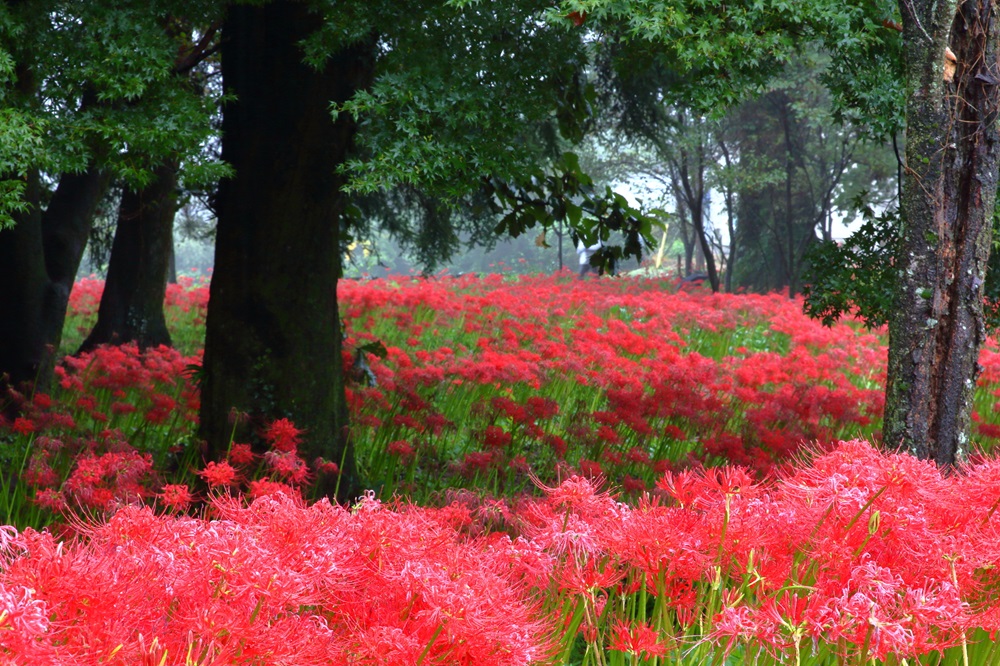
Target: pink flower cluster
{"points": [[274, 582], [869, 553]]}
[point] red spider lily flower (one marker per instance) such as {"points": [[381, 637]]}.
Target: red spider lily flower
{"points": [[176, 496], [632, 484], [589, 580], [557, 444], [23, 426], [97, 480], [591, 468], [40, 473], [608, 435], [640, 640], [324, 466], [241, 454], [51, 499], [288, 466], [683, 486], [542, 408], [436, 423], [407, 421], [495, 437], [476, 461], [264, 487], [400, 448], [218, 474], [282, 435], [24, 621]]}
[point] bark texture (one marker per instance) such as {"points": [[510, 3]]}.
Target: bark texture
{"points": [[273, 339], [131, 308], [949, 191]]}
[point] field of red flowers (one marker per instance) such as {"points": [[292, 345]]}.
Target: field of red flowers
{"points": [[544, 456]]}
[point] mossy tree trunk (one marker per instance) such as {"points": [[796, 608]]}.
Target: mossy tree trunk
{"points": [[949, 190], [273, 338]]}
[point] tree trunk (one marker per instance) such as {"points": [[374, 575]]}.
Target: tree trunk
{"points": [[39, 259], [23, 298], [273, 338], [949, 190], [131, 307], [693, 190]]}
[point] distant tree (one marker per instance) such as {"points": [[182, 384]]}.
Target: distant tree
{"points": [[942, 68]]}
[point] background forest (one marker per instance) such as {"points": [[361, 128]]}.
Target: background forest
{"points": [[762, 432]]}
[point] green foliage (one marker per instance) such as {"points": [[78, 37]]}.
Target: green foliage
{"points": [[108, 83], [717, 53], [860, 279], [567, 194], [465, 93], [855, 279], [865, 76]]}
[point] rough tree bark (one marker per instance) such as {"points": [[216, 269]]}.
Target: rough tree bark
{"points": [[949, 191], [273, 338], [131, 308]]}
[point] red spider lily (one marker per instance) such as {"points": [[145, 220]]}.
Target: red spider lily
{"points": [[274, 582], [283, 436], [176, 496], [241, 454], [288, 466], [400, 448], [495, 437], [640, 640], [218, 474], [97, 480], [264, 487], [23, 426], [324, 466], [51, 499]]}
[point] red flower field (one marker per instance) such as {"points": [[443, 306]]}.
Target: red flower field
{"points": [[744, 518]]}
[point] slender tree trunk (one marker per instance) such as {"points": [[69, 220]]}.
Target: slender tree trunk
{"points": [[273, 338], [172, 261], [694, 194], [688, 236], [787, 242], [66, 227], [730, 221], [949, 191], [131, 307]]}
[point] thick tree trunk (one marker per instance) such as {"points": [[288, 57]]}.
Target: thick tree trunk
{"points": [[949, 191], [131, 307], [39, 259], [273, 339]]}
